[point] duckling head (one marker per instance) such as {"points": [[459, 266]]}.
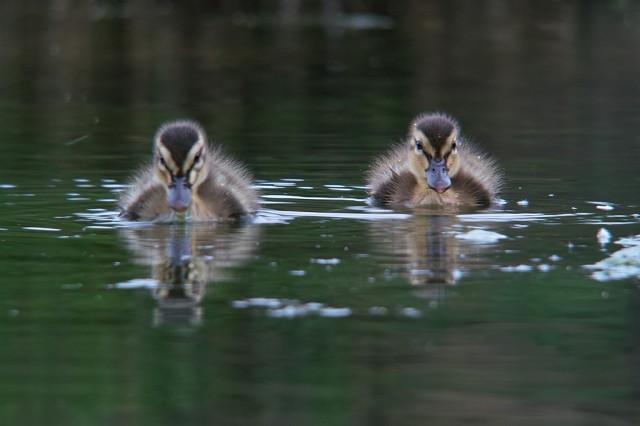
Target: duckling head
{"points": [[433, 141], [180, 151]]}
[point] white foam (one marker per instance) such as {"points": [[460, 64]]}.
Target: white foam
{"points": [[603, 236], [622, 264], [148, 283], [481, 236], [333, 261], [518, 268]]}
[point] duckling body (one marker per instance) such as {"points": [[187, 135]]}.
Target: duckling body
{"points": [[434, 166], [189, 177]]}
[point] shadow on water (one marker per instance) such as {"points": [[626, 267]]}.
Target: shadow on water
{"points": [[184, 260]]}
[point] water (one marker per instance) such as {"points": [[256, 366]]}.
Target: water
{"points": [[325, 310]]}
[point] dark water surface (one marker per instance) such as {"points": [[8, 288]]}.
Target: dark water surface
{"points": [[325, 311]]}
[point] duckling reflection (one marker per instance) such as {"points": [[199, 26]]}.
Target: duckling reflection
{"points": [[425, 249], [185, 258]]}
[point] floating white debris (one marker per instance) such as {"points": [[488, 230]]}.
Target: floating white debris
{"points": [[603, 236], [297, 273], [605, 207], [289, 311], [314, 306], [554, 258], [37, 228], [338, 188], [277, 308], [410, 312], [335, 312], [518, 268], [600, 203], [293, 311], [240, 304], [629, 241], [523, 203], [6, 186], [136, 283], [544, 267], [265, 302], [622, 264], [481, 236], [333, 261]]}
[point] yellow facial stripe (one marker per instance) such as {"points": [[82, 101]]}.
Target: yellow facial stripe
{"points": [[427, 148], [195, 150], [168, 159], [448, 144]]}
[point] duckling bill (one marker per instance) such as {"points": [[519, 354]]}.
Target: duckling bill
{"points": [[188, 176], [434, 166]]}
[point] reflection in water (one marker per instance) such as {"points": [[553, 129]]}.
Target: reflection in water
{"points": [[185, 258], [426, 249]]}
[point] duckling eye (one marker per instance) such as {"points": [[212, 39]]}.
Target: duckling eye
{"points": [[162, 162], [454, 147], [197, 158], [419, 146]]}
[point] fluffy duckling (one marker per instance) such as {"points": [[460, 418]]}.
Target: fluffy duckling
{"points": [[187, 176], [435, 166]]}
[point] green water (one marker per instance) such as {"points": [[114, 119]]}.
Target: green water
{"points": [[324, 311]]}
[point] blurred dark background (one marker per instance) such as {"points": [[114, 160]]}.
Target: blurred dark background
{"points": [[319, 86]]}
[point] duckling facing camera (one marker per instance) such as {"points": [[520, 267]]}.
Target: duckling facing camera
{"points": [[434, 166], [188, 177]]}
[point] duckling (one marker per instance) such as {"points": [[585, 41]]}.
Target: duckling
{"points": [[434, 166], [187, 176]]}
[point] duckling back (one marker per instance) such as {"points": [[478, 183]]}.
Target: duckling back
{"points": [[227, 191]]}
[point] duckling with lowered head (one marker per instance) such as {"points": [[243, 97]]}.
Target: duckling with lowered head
{"points": [[187, 176], [434, 166]]}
